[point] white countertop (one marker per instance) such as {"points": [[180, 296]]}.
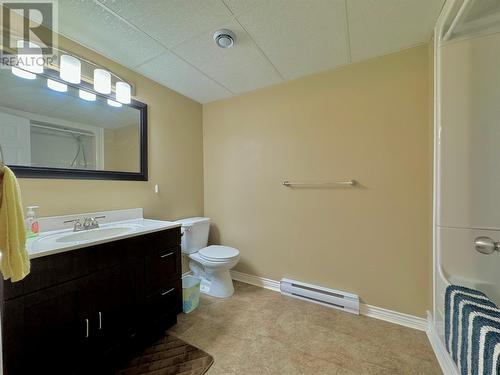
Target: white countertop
{"points": [[59, 241]]}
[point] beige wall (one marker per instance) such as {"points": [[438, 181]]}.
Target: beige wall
{"points": [[175, 160], [369, 122]]}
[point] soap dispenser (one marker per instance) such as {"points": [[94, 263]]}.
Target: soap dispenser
{"points": [[31, 222]]}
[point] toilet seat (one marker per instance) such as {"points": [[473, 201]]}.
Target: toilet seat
{"points": [[217, 253]]}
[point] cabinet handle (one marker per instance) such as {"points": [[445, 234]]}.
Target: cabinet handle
{"points": [[167, 292], [100, 320], [86, 328], [166, 255]]}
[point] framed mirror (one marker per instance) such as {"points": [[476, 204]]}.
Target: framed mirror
{"points": [[51, 129]]}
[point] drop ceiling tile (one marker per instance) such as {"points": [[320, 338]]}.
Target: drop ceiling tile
{"points": [[171, 21], [171, 71], [91, 25], [240, 68], [379, 27], [300, 37], [240, 6]]}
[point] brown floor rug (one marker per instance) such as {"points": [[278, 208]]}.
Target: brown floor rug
{"points": [[169, 356]]}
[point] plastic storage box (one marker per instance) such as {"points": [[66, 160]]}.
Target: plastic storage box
{"points": [[190, 293]]}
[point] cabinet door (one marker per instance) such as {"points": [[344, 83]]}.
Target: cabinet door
{"points": [[118, 295], [47, 331], [162, 307]]}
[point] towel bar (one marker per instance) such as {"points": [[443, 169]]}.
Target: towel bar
{"points": [[325, 184]]}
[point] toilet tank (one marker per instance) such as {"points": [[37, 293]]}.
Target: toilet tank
{"points": [[194, 233]]}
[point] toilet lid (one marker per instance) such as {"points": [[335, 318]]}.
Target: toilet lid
{"points": [[218, 253]]}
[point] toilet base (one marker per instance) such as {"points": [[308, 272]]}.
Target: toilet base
{"points": [[219, 285], [215, 283]]}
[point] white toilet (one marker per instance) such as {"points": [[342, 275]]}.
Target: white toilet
{"points": [[209, 263]]}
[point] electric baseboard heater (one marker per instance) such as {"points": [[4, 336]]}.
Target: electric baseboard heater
{"points": [[336, 299]]}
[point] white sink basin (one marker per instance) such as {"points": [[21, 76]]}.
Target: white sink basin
{"points": [[94, 234], [61, 240]]}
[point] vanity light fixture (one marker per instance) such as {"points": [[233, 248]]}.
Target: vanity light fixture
{"points": [[85, 95], [123, 92], [112, 103], [31, 63], [102, 81], [56, 86], [70, 69]]}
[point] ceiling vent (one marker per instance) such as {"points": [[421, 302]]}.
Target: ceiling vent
{"points": [[224, 38]]}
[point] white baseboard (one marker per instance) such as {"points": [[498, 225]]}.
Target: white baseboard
{"points": [[256, 280], [391, 316], [368, 310], [445, 361]]}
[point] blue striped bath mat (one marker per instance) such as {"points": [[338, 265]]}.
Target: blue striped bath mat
{"points": [[472, 331], [474, 318], [454, 295]]}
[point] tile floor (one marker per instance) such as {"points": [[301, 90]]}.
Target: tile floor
{"points": [[258, 331]]}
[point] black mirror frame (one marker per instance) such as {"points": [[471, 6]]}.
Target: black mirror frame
{"points": [[80, 174]]}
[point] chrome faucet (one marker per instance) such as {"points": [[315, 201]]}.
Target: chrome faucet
{"points": [[88, 223]]}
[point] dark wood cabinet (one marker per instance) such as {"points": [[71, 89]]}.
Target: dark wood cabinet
{"points": [[44, 329], [89, 306]]}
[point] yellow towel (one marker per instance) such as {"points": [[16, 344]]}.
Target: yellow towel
{"points": [[14, 262]]}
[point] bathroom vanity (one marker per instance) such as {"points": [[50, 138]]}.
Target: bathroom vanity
{"points": [[92, 301]]}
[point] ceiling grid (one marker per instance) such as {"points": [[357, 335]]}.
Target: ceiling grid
{"points": [[170, 41]]}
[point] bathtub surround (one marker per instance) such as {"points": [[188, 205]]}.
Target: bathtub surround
{"points": [[175, 159], [368, 122]]}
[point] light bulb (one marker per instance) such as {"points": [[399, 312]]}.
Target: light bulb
{"points": [[102, 81], [70, 69], [123, 92]]}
